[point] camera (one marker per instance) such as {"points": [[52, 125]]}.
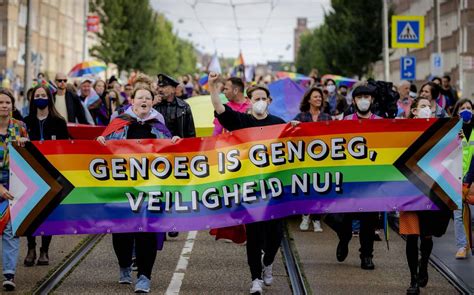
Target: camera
{"points": [[385, 99]]}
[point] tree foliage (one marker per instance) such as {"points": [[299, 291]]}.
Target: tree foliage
{"points": [[347, 43], [135, 37]]}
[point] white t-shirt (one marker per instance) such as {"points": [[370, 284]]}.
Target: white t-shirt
{"points": [[60, 105]]}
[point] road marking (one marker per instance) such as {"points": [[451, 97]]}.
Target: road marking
{"points": [[178, 276]]}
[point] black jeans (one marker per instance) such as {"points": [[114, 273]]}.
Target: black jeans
{"points": [[45, 241], [145, 248], [368, 225], [266, 236]]}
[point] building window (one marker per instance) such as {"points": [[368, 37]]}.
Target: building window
{"points": [[22, 16], [52, 63], [12, 35], [3, 48], [53, 32], [44, 26], [21, 55]]}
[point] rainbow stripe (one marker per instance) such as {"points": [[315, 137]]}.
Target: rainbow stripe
{"points": [[377, 184], [87, 68], [204, 81], [292, 76], [340, 80]]}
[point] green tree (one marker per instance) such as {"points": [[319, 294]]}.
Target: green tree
{"points": [[349, 41], [186, 57], [167, 59], [135, 37], [112, 16]]}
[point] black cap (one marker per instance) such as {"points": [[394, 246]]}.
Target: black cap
{"points": [[165, 80], [363, 89]]}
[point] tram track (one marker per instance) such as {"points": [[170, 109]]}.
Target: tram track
{"points": [[55, 277], [293, 268], [438, 264]]}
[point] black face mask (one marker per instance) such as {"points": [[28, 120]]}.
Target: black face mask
{"points": [[343, 93], [41, 103]]}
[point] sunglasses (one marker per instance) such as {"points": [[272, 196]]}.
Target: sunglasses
{"points": [[61, 80]]}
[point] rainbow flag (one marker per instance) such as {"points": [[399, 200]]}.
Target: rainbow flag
{"points": [[239, 61], [340, 80], [50, 85], [203, 81], [87, 68], [250, 175], [292, 76]]}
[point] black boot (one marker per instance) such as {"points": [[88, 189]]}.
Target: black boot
{"points": [[367, 263], [30, 257], [173, 234], [423, 273], [342, 250], [44, 258], [414, 288]]}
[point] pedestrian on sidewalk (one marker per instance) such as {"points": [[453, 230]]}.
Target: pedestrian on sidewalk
{"points": [[11, 131], [313, 109], [264, 236], [43, 123], [137, 122], [421, 224]]}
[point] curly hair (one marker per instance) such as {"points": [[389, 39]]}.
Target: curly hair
{"points": [[304, 104]]}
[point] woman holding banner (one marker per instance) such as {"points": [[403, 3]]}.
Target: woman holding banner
{"points": [[312, 108], [43, 123], [140, 121], [11, 130], [421, 224], [265, 235]]}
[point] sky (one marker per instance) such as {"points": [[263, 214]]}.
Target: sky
{"points": [[261, 29]]}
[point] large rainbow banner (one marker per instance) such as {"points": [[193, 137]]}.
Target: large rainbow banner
{"points": [[79, 187]]}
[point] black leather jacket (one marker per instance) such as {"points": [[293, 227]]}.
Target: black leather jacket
{"points": [[178, 117]]}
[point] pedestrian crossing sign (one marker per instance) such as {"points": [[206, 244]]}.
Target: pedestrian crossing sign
{"points": [[408, 31]]}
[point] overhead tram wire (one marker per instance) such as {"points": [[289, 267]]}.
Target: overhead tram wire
{"points": [[193, 6]]}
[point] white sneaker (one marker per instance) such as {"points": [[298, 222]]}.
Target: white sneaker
{"points": [[268, 274], [304, 225], [317, 226], [257, 286]]}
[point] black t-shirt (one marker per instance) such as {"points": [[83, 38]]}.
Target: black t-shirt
{"points": [[139, 131], [232, 120]]}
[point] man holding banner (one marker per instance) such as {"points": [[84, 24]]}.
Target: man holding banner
{"points": [[363, 95], [268, 233]]}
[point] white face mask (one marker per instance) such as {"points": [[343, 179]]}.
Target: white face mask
{"points": [[363, 105], [259, 107], [331, 88], [424, 113]]}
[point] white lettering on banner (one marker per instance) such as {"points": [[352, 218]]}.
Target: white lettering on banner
{"points": [[260, 155], [234, 195]]}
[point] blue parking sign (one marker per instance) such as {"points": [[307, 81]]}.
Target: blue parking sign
{"points": [[408, 68]]}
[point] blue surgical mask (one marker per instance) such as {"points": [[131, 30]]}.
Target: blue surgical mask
{"points": [[41, 103], [466, 115]]}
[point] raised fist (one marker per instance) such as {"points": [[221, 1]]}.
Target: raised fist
{"points": [[213, 77]]}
